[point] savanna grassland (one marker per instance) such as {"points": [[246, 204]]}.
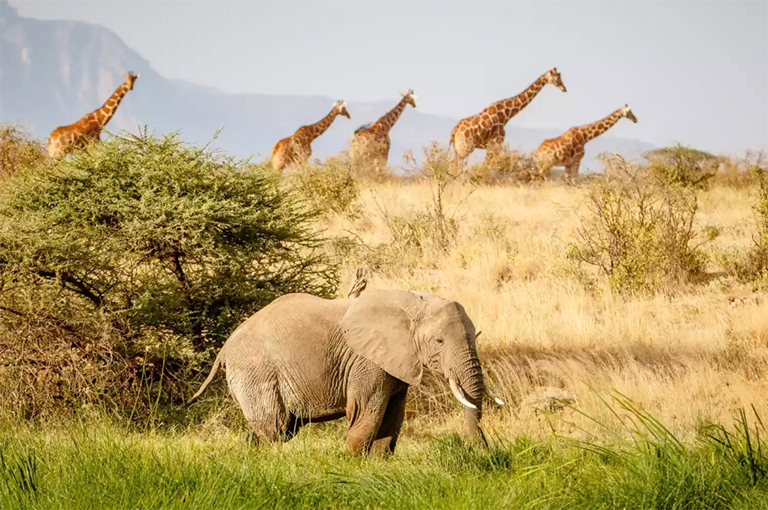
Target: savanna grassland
{"points": [[696, 352], [644, 386]]}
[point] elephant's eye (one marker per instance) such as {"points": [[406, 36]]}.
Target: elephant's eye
{"points": [[439, 341]]}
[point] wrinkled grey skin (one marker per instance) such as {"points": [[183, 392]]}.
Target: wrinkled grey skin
{"points": [[303, 358]]}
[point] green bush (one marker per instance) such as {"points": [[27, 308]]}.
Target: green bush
{"points": [[18, 150], [683, 166], [327, 187], [145, 253], [638, 229]]}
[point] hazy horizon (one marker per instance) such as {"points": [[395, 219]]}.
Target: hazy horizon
{"points": [[693, 72]]}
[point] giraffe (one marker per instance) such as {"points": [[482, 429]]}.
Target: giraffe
{"points": [[486, 129], [371, 142], [568, 149], [64, 138], [297, 149]]}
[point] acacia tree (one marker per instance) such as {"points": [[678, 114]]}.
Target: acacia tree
{"points": [[158, 237]]}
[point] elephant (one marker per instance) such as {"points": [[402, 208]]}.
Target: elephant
{"points": [[304, 359]]}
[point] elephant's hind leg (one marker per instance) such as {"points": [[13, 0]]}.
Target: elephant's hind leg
{"points": [[265, 412], [267, 428], [389, 430]]}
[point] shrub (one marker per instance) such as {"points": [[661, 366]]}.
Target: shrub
{"points": [[327, 187], [421, 236], [752, 265], [367, 165], [18, 150], [756, 267], [440, 171], [733, 173], [683, 166], [638, 229], [143, 251], [507, 167]]}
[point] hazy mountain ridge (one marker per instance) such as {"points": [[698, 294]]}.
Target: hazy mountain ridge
{"points": [[54, 72]]}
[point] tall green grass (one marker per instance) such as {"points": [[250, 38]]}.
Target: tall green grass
{"points": [[99, 466]]}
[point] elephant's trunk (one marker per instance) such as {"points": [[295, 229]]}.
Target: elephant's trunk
{"points": [[469, 377]]}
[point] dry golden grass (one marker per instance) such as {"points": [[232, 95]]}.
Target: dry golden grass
{"points": [[687, 356]]}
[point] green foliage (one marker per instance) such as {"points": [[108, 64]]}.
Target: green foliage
{"points": [[638, 229], [18, 150], [327, 187], [683, 166], [91, 465], [138, 253], [744, 447]]}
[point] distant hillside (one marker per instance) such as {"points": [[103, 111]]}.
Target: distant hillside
{"points": [[53, 72]]}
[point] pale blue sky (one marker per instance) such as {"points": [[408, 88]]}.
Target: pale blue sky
{"points": [[694, 72]]}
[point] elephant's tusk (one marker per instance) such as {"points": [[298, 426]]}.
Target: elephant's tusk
{"points": [[457, 393], [492, 396]]}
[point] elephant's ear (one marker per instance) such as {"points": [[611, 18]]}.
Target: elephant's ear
{"points": [[377, 327]]}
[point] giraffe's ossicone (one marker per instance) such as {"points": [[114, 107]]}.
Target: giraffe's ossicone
{"points": [[567, 150], [88, 129], [486, 129]]}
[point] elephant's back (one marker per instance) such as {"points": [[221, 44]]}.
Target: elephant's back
{"points": [[289, 323], [288, 347]]}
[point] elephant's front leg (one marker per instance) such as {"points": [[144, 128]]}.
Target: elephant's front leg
{"points": [[389, 430], [367, 404]]}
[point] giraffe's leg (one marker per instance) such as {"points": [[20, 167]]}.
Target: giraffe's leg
{"points": [[377, 154], [570, 173], [384, 156], [463, 144], [301, 153], [572, 168], [493, 143], [279, 156], [493, 149]]}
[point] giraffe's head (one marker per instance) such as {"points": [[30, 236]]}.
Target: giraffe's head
{"points": [[626, 112], [130, 78], [340, 107], [409, 97], [553, 77]]}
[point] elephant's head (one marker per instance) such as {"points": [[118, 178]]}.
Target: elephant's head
{"points": [[403, 332]]}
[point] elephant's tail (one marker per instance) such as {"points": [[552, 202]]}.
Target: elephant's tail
{"points": [[207, 382]]}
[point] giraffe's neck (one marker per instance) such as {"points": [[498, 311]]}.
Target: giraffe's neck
{"points": [[107, 111], [385, 123], [508, 108], [319, 127], [596, 129]]}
